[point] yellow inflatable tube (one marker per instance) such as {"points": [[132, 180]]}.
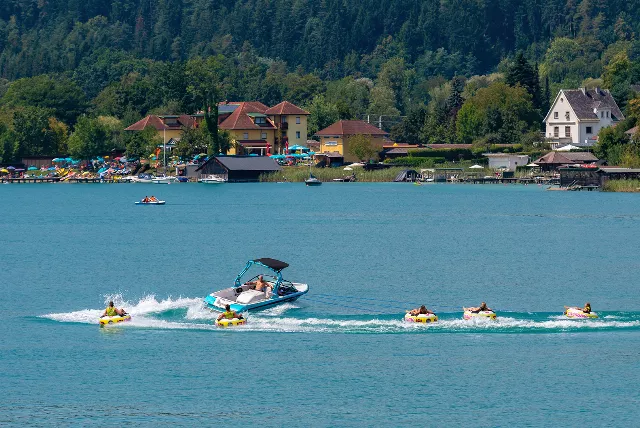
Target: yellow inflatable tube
{"points": [[577, 313], [423, 318], [482, 314], [231, 323], [114, 320]]}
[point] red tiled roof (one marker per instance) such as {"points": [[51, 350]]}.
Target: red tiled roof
{"points": [[286, 108], [557, 158], [239, 119], [151, 120], [351, 127]]}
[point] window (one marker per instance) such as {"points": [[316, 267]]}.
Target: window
{"points": [[607, 115], [298, 120], [567, 131], [601, 114], [263, 135], [298, 134], [556, 131], [245, 136], [589, 130], [555, 115], [331, 143], [283, 119], [567, 116], [260, 121]]}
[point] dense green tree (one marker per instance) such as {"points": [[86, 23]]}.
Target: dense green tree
{"points": [[500, 110], [63, 97], [140, 144], [32, 134], [322, 113], [524, 74], [362, 148], [90, 138], [192, 142]]}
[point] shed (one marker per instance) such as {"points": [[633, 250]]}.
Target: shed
{"points": [[239, 168], [407, 175]]}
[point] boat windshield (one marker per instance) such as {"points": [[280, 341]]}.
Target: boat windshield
{"points": [[255, 268]]}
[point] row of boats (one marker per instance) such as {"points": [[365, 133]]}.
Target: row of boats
{"points": [[168, 179], [260, 285]]}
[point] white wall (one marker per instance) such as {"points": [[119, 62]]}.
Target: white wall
{"points": [[508, 162]]}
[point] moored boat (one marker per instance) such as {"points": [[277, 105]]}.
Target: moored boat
{"points": [[212, 179], [244, 297], [312, 181]]}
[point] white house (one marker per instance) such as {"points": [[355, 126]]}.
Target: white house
{"points": [[506, 161], [577, 116]]}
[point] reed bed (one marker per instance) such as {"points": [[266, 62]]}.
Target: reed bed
{"points": [[295, 174], [630, 186]]}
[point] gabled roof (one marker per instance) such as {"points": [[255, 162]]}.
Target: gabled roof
{"points": [[245, 163], [151, 120], [160, 122], [351, 127], [557, 158], [286, 108], [584, 101], [240, 118]]}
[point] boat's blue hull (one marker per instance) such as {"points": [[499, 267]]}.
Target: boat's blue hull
{"points": [[239, 307]]}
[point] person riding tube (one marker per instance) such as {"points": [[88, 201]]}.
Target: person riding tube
{"points": [[482, 308], [112, 311], [229, 314], [422, 310]]}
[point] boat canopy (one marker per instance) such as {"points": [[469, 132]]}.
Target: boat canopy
{"points": [[274, 264]]}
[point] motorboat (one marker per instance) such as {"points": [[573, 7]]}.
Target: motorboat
{"points": [[212, 179], [163, 179], [312, 181], [144, 178], [244, 297]]}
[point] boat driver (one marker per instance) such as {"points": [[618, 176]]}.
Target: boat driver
{"points": [[229, 314], [261, 285], [112, 311]]}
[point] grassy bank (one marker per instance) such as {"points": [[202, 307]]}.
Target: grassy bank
{"points": [[632, 186], [300, 174]]}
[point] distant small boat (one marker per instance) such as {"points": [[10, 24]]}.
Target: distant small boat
{"points": [[312, 181], [163, 179], [150, 203]]}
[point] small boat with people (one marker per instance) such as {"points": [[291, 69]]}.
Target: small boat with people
{"points": [[480, 312], [265, 288], [150, 200], [580, 313]]}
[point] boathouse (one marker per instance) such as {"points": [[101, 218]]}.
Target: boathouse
{"points": [[238, 168]]}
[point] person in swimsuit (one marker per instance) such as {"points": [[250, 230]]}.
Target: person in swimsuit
{"points": [[112, 311], [482, 308], [422, 310]]}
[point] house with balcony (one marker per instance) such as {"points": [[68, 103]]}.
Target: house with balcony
{"points": [[250, 128], [291, 122], [334, 139], [577, 116]]}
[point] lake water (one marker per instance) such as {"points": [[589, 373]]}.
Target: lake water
{"points": [[340, 355]]}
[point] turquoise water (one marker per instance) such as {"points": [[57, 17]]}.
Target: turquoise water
{"points": [[339, 355]]}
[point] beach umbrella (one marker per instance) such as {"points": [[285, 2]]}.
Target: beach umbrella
{"points": [[53, 168], [32, 168], [476, 166], [253, 154], [532, 165], [346, 168], [68, 159], [4, 170]]}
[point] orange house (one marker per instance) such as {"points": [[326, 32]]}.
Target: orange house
{"points": [[334, 139]]}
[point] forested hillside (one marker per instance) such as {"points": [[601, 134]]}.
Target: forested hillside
{"points": [[416, 63]]}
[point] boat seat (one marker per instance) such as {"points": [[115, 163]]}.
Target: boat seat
{"points": [[250, 295]]}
